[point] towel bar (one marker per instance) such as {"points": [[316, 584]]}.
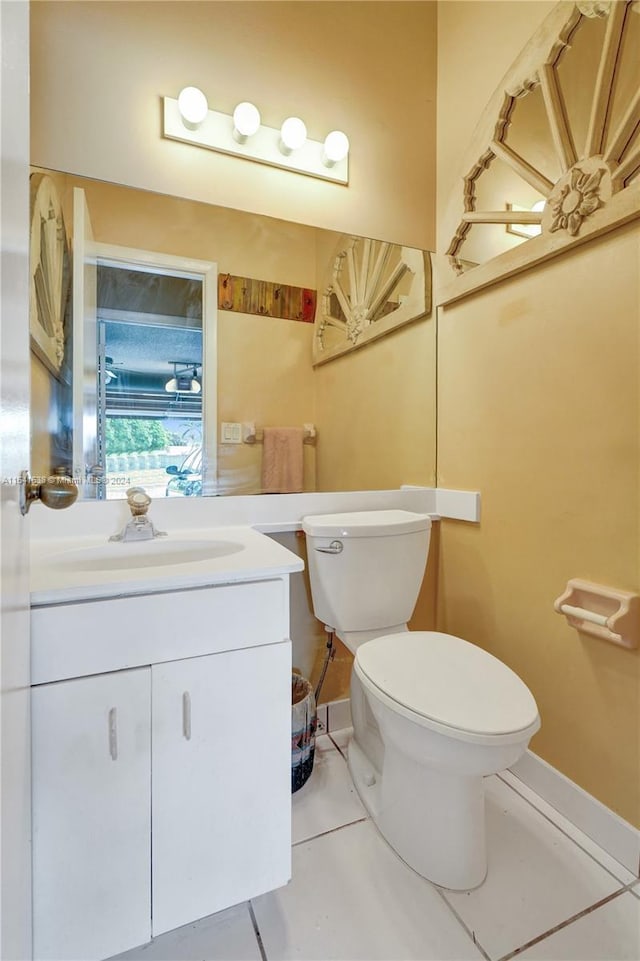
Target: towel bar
{"points": [[255, 435]]}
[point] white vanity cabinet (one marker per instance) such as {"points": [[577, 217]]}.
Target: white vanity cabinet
{"points": [[221, 794], [161, 762], [91, 747]]}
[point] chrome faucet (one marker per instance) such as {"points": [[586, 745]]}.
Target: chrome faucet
{"points": [[140, 527]]}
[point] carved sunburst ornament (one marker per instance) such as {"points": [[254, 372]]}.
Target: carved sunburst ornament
{"points": [[49, 273], [580, 154], [578, 199], [365, 278], [355, 325], [371, 287]]}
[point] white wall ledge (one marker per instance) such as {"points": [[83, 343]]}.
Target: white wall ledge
{"points": [[269, 513]]}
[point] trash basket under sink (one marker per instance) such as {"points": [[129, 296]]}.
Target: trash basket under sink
{"points": [[303, 731]]}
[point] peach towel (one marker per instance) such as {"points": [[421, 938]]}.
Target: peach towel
{"points": [[282, 460]]}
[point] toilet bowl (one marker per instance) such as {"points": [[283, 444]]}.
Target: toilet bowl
{"points": [[432, 713], [448, 714]]}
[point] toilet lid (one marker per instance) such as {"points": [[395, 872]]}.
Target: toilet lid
{"points": [[365, 523], [448, 680]]}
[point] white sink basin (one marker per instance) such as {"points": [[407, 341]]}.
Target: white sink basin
{"points": [[116, 555], [88, 568]]}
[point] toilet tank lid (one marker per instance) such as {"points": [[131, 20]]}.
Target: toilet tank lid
{"points": [[450, 681], [365, 523]]}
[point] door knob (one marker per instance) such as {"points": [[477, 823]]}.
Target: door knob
{"points": [[57, 491]]}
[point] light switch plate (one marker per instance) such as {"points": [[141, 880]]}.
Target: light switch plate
{"points": [[230, 432]]}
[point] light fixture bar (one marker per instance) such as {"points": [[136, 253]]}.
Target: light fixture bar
{"points": [[216, 133]]}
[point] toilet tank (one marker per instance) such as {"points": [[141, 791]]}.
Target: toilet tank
{"points": [[373, 578]]}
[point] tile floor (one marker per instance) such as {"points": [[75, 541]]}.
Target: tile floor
{"points": [[551, 893]]}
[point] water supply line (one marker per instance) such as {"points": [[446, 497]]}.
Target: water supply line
{"points": [[331, 652]]}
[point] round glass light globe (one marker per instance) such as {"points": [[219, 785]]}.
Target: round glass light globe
{"points": [[246, 119], [336, 146], [192, 105], [293, 133]]}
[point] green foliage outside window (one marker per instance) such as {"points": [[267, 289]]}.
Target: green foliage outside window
{"points": [[124, 435]]}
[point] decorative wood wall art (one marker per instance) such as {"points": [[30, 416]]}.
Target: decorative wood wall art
{"points": [[564, 124], [49, 269], [266, 298], [370, 288]]}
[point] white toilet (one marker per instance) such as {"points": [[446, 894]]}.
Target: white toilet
{"points": [[432, 714]]}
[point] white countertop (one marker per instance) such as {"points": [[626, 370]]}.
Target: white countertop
{"points": [[65, 570]]}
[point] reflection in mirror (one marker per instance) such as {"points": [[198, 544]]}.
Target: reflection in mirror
{"points": [[149, 380], [143, 329], [247, 341], [369, 288]]}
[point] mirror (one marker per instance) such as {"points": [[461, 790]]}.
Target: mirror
{"points": [[202, 326]]}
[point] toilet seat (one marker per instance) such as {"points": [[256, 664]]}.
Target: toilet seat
{"points": [[447, 684]]}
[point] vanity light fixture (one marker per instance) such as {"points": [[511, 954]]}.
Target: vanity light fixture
{"points": [[193, 107], [184, 381], [246, 121], [336, 148], [293, 135], [242, 134]]}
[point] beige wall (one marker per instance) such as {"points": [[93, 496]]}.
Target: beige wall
{"points": [[42, 410], [265, 376], [239, 242], [99, 71], [538, 409], [376, 408]]}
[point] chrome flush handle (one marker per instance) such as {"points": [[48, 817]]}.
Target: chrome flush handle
{"points": [[335, 547]]}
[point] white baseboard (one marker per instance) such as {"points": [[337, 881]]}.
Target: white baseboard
{"points": [[338, 715], [321, 713], [334, 716], [614, 835]]}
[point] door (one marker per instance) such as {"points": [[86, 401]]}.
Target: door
{"points": [[15, 797], [91, 815], [85, 352], [221, 770]]}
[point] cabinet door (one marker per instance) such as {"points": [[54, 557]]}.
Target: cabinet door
{"points": [[91, 815], [221, 769]]}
